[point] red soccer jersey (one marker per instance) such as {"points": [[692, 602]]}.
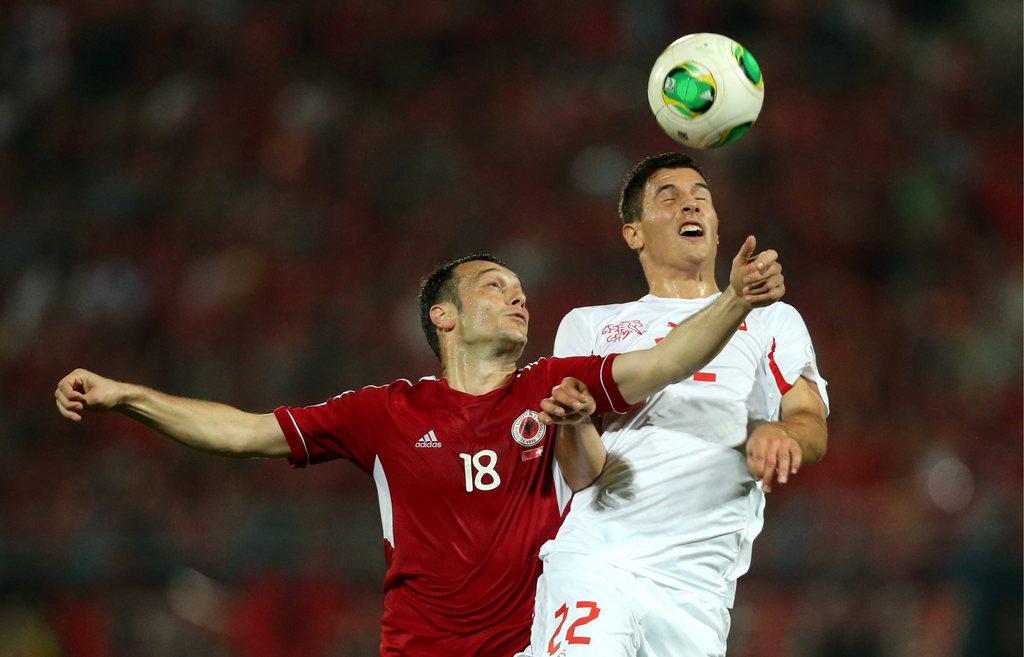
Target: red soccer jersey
{"points": [[468, 492]]}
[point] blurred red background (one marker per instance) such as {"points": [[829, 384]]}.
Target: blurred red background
{"points": [[235, 201]]}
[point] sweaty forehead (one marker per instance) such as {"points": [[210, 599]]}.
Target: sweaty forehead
{"points": [[475, 269], [684, 178]]}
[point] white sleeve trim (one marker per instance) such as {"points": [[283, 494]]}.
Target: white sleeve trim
{"points": [[299, 432], [607, 394]]}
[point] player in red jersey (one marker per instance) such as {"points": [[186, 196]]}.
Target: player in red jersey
{"points": [[466, 475]]}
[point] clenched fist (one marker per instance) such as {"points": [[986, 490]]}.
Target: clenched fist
{"points": [[570, 403], [82, 390]]}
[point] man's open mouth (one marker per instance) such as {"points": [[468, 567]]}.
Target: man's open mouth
{"points": [[691, 231]]}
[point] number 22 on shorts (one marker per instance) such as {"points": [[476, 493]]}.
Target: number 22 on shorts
{"points": [[570, 635]]}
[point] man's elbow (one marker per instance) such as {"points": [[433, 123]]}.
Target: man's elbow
{"points": [[237, 445], [578, 483], [819, 447], [255, 436]]}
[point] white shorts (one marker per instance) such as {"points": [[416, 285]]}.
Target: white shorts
{"points": [[587, 607]]}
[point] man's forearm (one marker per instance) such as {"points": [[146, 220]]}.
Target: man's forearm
{"points": [[686, 349], [203, 425], [810, 431], [581, 454]]}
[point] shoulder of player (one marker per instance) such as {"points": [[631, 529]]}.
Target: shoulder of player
{"points": [[386, 389], [538, 364], [402, 386], [592, 315], [542, 366], [770, 316], [773, 322]]}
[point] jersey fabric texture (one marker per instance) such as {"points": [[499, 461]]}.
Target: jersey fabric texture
{"points": [[676, 503], [468, 490]]}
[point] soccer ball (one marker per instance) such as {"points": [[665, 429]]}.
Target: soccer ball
{"points": [[705, 90]]}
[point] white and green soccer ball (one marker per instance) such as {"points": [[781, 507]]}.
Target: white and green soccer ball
{"points": [[705, 90]]}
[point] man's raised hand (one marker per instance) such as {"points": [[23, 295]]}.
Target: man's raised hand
{"points": [[82, 390], [758, 279], [570, 403]]}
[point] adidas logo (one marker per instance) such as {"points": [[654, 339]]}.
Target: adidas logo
{"points": [[428, 440]]}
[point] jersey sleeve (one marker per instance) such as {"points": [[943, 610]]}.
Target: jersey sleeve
{"points": [[789, 355], [344, 427], [596, 373], [573, 337]]}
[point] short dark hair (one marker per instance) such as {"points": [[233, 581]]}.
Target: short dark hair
{"points": [[631, 199], [442, 285]]}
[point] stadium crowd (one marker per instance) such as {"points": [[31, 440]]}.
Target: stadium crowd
{"points": [[235, 201]]}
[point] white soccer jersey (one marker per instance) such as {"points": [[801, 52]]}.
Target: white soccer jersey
{"points": [[676, 502]]}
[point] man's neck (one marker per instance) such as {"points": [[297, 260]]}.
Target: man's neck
{"points": [[477, 374], [684, 282]]}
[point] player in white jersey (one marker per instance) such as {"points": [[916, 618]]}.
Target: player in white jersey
{"points": [[645, 564]]}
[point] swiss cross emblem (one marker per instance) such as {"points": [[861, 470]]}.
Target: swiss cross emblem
{"points": [[528, 430], [623, 330]]}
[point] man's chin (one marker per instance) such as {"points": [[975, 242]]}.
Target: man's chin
{"points": [[696, 254], [514, 343]]}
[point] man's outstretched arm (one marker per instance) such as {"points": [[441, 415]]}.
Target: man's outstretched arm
{"points": [[202, 425], [753, 282]]}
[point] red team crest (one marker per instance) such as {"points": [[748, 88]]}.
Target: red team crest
{"points": [[527, 430], [623, 330]]}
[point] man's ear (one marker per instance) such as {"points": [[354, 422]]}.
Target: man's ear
{"points": [[633, 235], [443, 315]]}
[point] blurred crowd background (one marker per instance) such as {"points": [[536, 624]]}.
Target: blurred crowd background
{"points": [[236, 201]]}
